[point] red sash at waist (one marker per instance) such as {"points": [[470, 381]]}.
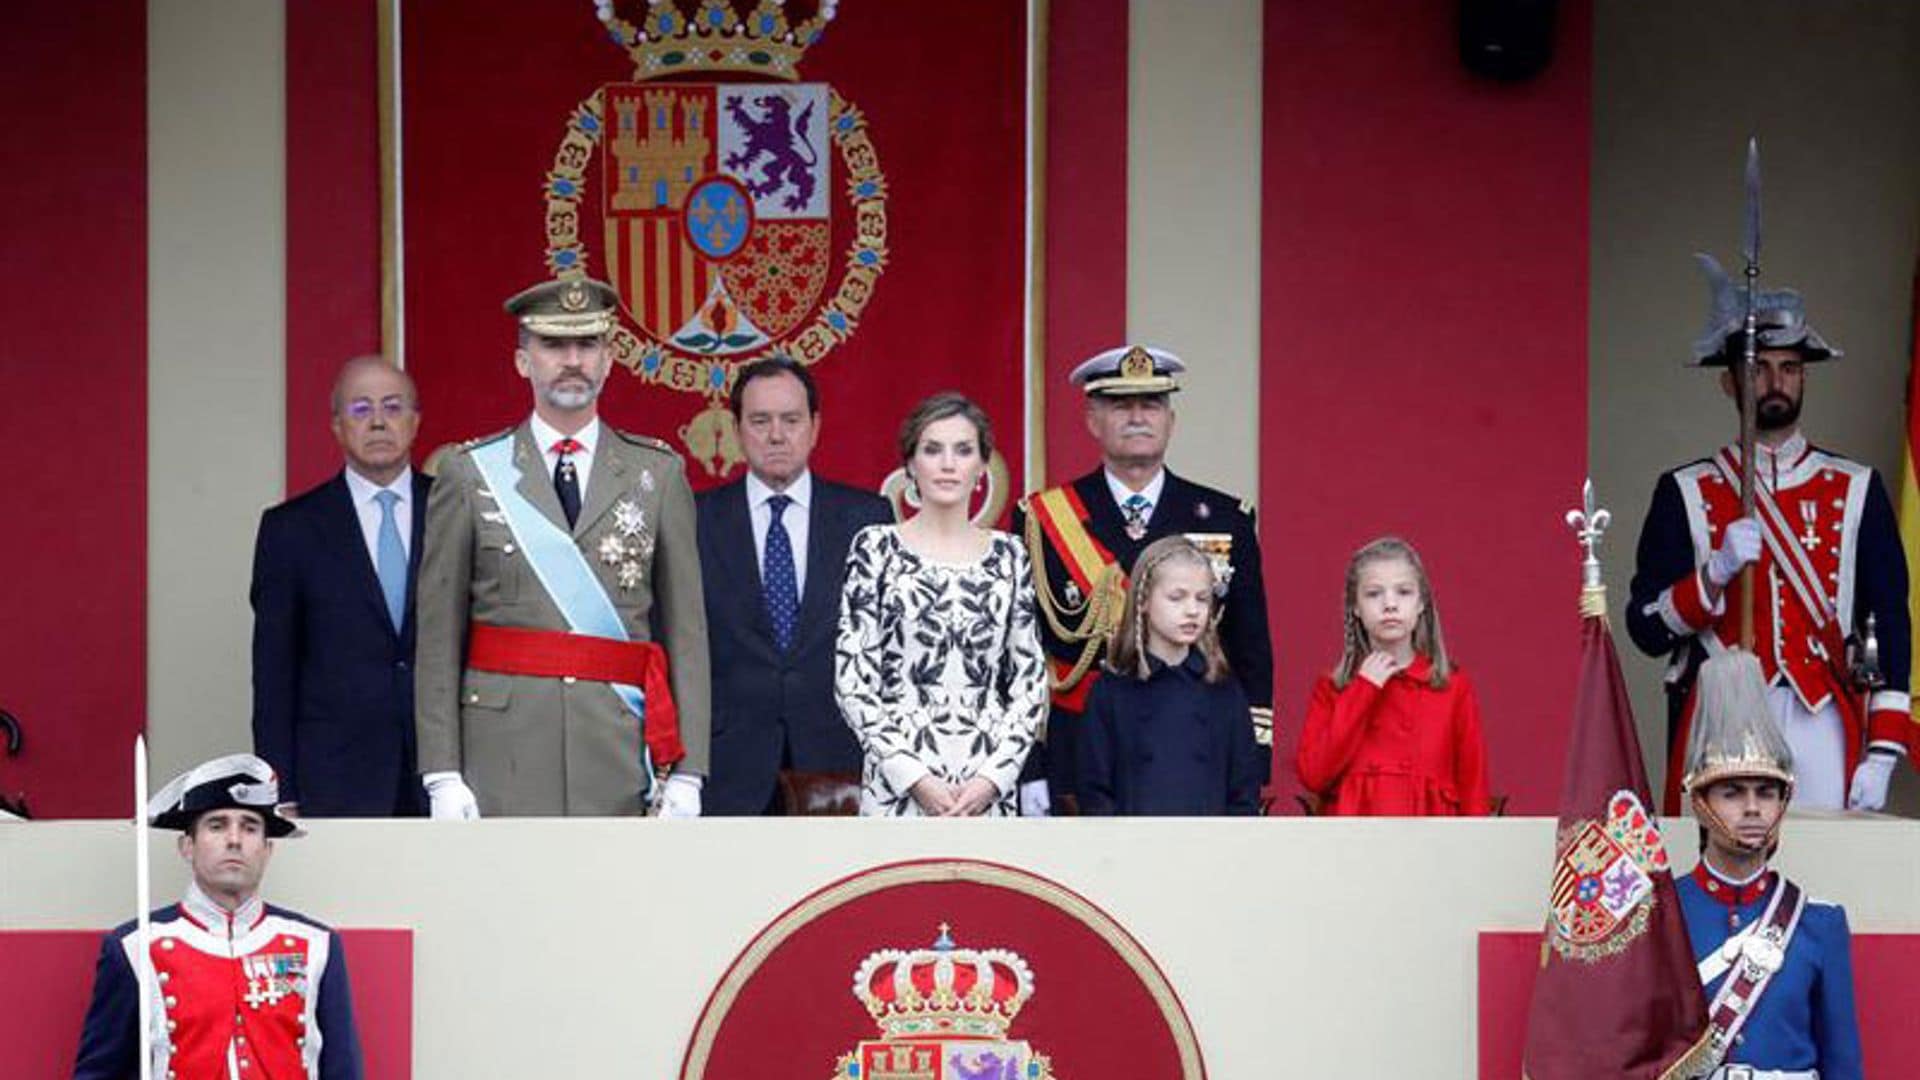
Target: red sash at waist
{"points": [[556, 654]]}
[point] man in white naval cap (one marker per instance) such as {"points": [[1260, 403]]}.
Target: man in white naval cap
{"points": [[1083, 537]]}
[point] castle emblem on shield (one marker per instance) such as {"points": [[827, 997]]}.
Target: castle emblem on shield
{"points": [[944, 1013], [717, 180], [1603, 881]]}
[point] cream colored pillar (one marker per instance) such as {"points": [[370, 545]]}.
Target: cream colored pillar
{"points": [[216, 331]]}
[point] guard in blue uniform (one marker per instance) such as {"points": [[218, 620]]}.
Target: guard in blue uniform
{"points": [[1776, 964], [1082, 536]]}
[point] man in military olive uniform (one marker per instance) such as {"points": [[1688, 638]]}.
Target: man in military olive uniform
{"points": [[562, 655], [1083, 537]]}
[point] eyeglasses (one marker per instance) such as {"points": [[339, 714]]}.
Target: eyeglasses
{"points": [[361, 410]]}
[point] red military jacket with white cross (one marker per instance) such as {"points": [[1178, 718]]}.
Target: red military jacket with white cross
{"points": [[256, 993], [1832, 555]]}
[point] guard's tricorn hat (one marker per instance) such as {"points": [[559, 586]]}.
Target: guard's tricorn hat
{"points": [[1128, 371], [234, 782], [576, 307], [1779, 315]]}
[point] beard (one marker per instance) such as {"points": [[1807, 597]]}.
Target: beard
{"points": [[1776, 412], [571, 396]]}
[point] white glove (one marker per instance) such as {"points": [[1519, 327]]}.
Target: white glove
{"points": [[1740, 546], [680, 797], [1870, 779], [449, 798], [1034, 801]]}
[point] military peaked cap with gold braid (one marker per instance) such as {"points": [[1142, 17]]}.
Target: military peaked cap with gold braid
{"points": [[1128, 371], [578, 307]]}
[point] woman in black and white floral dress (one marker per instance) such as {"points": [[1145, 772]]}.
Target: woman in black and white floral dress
{"points": [[938, 667]]}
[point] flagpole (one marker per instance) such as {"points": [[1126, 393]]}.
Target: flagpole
{"points": [[1749, 357], [143, 966]]}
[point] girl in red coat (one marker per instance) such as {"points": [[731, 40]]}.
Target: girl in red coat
{"points": [[1394, 729]]}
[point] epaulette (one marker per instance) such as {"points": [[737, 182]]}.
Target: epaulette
{"points": [[647, 441], [485, 439], [433, 462]]}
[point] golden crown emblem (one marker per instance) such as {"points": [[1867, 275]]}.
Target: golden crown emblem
{"points": [[676, 37], [943, 990]]}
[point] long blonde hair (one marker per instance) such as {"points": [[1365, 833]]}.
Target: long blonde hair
{"points": [[1127, 650], [1427, 639]]}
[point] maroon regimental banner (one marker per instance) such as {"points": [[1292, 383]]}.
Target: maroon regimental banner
{"points": [[842, 184], [1617, 993]]}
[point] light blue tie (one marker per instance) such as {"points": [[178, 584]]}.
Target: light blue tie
{"points": [[390, 560]]}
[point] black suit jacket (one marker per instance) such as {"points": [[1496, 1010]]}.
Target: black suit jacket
{"points": [[768, 705], [332, 681]]}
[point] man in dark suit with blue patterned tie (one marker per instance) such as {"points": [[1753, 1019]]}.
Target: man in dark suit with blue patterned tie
{"points": [[333, 575], [773, 553]]}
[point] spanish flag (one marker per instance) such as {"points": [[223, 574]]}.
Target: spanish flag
{"points": [[1909, 485]]}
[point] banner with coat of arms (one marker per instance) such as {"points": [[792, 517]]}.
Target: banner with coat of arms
{"points": [[839, 183]]}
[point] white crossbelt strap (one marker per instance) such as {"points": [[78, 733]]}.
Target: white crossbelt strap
{"points": [[1716, 963], [1788, 556]]}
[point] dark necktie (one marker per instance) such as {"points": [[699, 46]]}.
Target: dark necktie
{"points": [[566, 482], [778, 580]]}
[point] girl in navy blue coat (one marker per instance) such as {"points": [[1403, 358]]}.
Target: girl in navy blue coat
{"points": [[1167, 729]]}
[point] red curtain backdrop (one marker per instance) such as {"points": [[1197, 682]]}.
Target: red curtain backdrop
{"points": [[333, 217], [73, 92], [1086, 212], [1423, 352], [40, 1030], [487, 88]]}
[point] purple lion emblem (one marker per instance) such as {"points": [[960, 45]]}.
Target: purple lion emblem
{"points": [[781, 138], [985, 1065]]}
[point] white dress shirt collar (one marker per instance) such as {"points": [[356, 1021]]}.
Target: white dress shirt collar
{"points": [[796, 520], [545, 435], [1121, 492], [366, 510], [363, 490], [800, 491]]}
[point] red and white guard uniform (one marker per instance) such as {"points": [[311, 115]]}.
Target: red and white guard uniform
{"points": [[1831, 554], [254, 993]]}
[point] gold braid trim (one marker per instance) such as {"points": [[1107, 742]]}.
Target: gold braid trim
{"points": [[1098, 614]]}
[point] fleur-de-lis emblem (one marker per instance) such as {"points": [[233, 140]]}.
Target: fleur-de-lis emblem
{"points": [[1589, 524]]}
